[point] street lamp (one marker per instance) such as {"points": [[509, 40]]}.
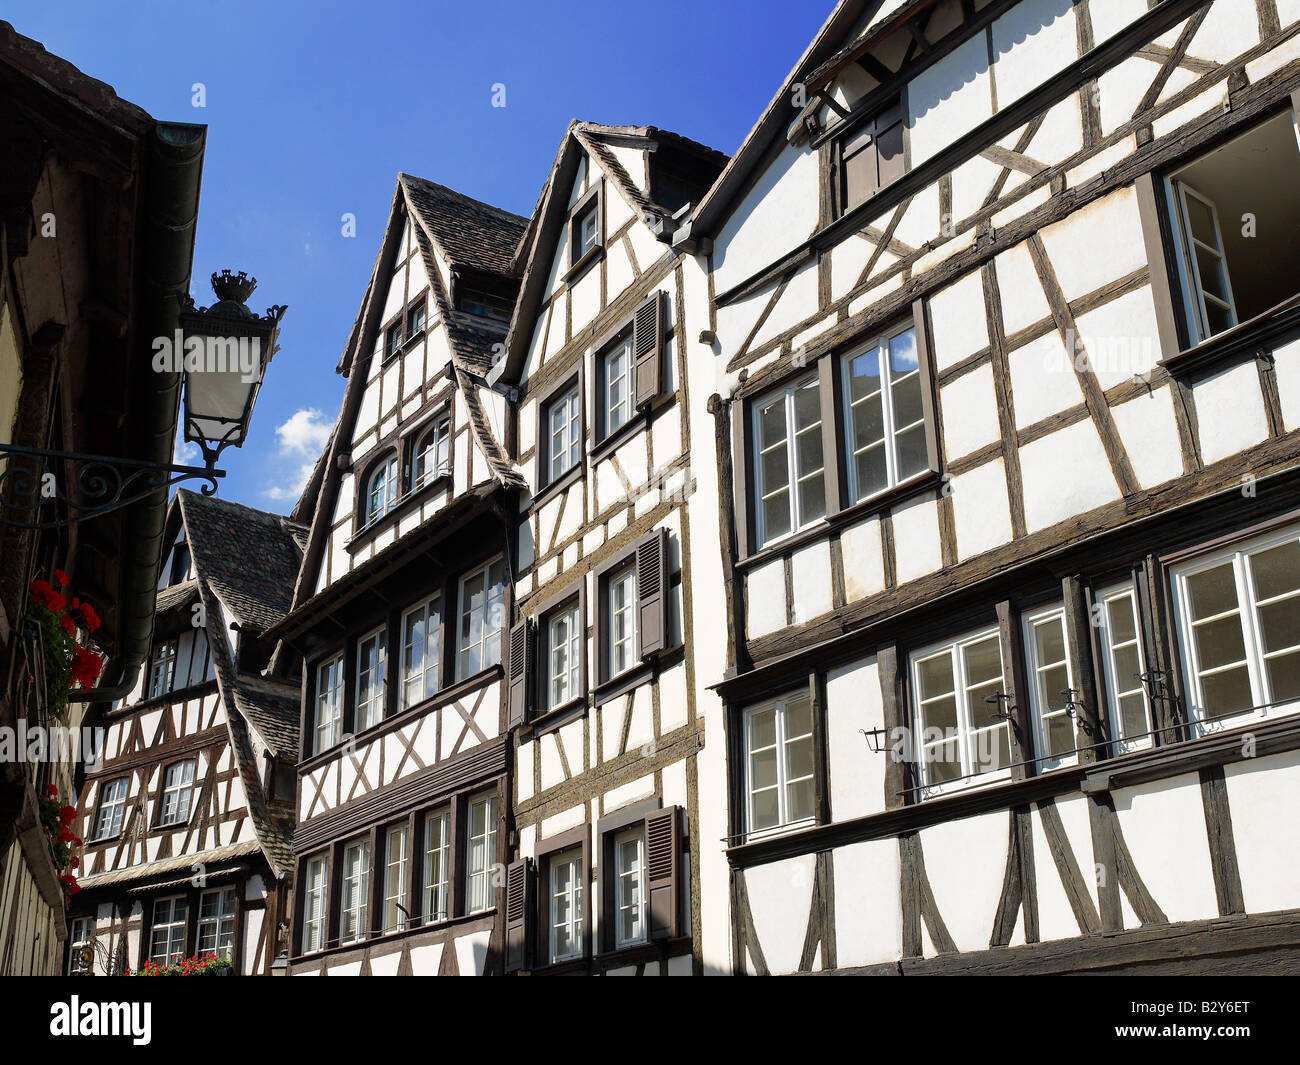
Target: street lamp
{"points": [[221, 353]]}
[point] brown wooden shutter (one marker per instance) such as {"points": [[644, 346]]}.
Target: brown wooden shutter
{"points": [[521, 669], [519, 913], [652, 593], [925, 362], [663, 859], [647, 345]]}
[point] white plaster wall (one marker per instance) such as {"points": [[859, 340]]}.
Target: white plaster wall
{"points": [[868, 909], [1052, 497], [780, 898], [916, 539], [1262, 797], [1230, 411], [965, 862], [854, 706], [981, 509]]}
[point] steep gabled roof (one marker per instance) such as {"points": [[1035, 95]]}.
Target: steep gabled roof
{"points": [[694, 167], [469, 233]]}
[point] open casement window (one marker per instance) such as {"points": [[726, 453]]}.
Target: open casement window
{"points": [[961, 734], [437, 866], [162, 669], [421, 652], [779, 764], [870, 156], [432, 457], [315, 889], [1123, 664], [883, 391], [216, 926], [481, 618], [354, 903], [1238, 619], [112, 808], [396, 862], [329, 704], [178, 790], [562, 439], [167, 930], [1051, 684], [381, 490], [372, 669], [789, 462], [481, 832], [1207, 264]]}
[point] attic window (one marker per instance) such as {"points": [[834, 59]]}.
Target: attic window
{"points": [[483, 304], [869, 156], [586, 231], [415, 319], [393, 340]]}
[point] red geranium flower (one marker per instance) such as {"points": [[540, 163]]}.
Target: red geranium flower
{"points": [[69, 626], [61, 578], [51, 789], [67, 814]]}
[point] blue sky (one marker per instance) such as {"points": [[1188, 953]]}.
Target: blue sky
{"points": [[313, 109]]}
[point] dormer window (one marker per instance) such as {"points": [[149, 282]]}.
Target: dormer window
{"points": [[869, 156], [586, 230], [381, 493], [483, 304], [432, 453]]}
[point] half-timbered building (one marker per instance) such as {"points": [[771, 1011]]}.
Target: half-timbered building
{"points": [[187, 813], [400, 612], [1005, 350], [601, 666]]}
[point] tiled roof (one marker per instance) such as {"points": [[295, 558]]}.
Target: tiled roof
{"points": [[160, 867], [473, 234], [272, 709]]}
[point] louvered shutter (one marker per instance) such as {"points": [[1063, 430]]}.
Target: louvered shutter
{"points": [[521, 669], [519, 914], [652, 592], [647, 344], [663, 860]]}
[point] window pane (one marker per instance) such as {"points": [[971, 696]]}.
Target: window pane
{"points": [[1284, 677], [1227, 692], [941, 714], [1213, 591], [764, 769], [1127, 668], [800, 799], [868, 422], [807, 405], [872, 474], [913, 455], [984, 661], [1277, 570], [1120, 613], [812, 498], [765, 810], [864, 375], [1202, 220], [1049, 638], [902, 355], [762, 728], [808, 453], [1219, 643], [936, 676], [1279, 624], [771, 423], [776, 516], [799, 758], [798, 717], [775, 470], [1133, 713], [942, 763]]}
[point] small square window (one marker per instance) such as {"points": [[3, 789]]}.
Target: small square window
{"points": [[586, 231]]}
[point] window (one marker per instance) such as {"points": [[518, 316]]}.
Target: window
{"points": [[329, 702], [617, 386], [961, 728], [620, 620], [779, 763], [372, 665], [382, 491], [421, 652], [393, 340], [354, 911], [481, 618], [565, 895], [112, 808], [870, 156], [81, 956], [788, 461], [1051, 683], [1235, 246], [563, 441], [313, 905], [432, 453], [482, 853], [1123, 663], [396, 857], [217, 922], [629, 887], [1239, 627], [178, 786], [563, 656], [483, 304], [585, 228], [167, 932], [884, 416], [162, 672], [415, 320], [437, 865]]}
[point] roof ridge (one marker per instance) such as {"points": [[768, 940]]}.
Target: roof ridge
{"points": [[510, 215]]}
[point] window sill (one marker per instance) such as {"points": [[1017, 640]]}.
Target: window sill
{"points": [[619, 436], [553, 488], [622, 684], [1252, 337], [390, 937], [593, 256], [396, 512], [554, 718]]}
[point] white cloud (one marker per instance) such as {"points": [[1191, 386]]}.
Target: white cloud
{"points": [[292, 491], [304, 433]]}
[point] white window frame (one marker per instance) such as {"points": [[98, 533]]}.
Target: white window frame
{"points": [[219, 925], [479, 893], [177, 793], [563, 438], [329, 697], [881, 347], [354, 892], [381, 490], [1248, 614], [79, 935], [782, 742], [626, 882], [113, 804], [1047, 705], [488, 640], [162, 670], [618, 413], [429, 615], [564, 680], [432, 443], [315, 898], [622, 578], [965, 730], [582, 246], [173, 930], [798, 521], [370, 711], [572, 898], [437, 890], [1118, 687], [396, 863], [1192, 270]]}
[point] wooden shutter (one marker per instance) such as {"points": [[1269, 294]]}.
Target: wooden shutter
{"points": [[925, 362], [663, 859], [647, 344], [521, 669], [519, 914], [652, 593]]}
